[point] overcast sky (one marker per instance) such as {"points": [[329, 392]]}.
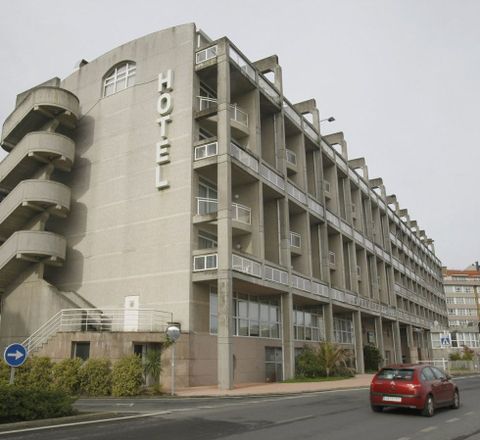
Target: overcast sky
{"points": [[402, 79]]}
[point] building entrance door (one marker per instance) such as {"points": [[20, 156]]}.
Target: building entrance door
{"points": [[273, 364]]}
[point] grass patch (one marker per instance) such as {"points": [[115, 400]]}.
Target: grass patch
{"points": [[300, 379]]}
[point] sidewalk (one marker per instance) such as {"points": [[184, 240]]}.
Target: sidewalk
{"points": [[359, 381]]}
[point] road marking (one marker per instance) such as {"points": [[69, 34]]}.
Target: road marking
{"points": [[295, 419], [124, 404], [403, 438], [88, 422], [470, 413], [430, 428], [455, 419]]}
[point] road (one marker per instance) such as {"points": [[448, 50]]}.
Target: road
{"points": [[338, 415]]}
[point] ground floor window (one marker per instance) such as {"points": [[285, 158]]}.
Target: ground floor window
{"points": [[343, 330], [273, 364], [80, 350], [308, 325], [256, 316], [468, 339]]}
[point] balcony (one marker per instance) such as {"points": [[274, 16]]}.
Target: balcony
{"points": [[332, 260], [241, 219], [26, 247], [30, 198], [206, 206], [34, 151], [41, 105], [208, 107], [291, 161], [295, 240], [327, 189], [203, 151], [206, 54]]}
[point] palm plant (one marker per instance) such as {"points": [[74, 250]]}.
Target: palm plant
{"points": [[152, 366], [331, 357]]}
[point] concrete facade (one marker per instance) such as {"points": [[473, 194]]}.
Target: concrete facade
{"points": [[180, 179]]}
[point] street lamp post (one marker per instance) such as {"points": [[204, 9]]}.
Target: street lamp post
{"points": [[173, 333]]}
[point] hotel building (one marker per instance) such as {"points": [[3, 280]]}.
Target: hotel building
{"points": [[170, 180]]}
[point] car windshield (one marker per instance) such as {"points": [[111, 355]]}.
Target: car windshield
{"points": [[396, 374]]}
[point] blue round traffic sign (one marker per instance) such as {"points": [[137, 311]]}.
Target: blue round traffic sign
{"points": [[15, 355]]}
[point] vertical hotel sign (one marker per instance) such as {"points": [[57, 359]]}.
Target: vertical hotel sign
{"points": [[164, 109]]}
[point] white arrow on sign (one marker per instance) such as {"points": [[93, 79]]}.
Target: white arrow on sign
{"points": [[17, 355]]}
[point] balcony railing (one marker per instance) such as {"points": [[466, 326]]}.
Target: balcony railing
{"points": [[104, 320], [206, 150], [332, 260], [291, 157], [205, 102], [241, 213], [236, 113], [205, 54], [206, 206], [205, 262], [245, 265], [295, 240], [244, 157], [242, 63]]}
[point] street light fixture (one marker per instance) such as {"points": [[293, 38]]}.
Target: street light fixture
{"points": [[330, 119]]}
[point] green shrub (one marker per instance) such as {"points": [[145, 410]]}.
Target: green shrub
{"points": [[22, 403], [95, 377], [455, 356], [4, 373], [127, 376], [372, 357], [66, 376], [468, 353], [307, 363], [36, 372]]}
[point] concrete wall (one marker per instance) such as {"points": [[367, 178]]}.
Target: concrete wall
{"points": [[126, 237]]}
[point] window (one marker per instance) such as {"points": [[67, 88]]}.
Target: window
{"points": [[343, 330], [256, 316], [81, 350], [396, 374], [427, 375], [308, 325], [119, 78]]}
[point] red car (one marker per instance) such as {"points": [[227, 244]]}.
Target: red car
{"points": [[421, 387]]}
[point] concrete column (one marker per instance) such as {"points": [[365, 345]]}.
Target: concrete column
{"points": [[412, 348], [397, 341], [288, 348], [328, 319], [224, 229], [357, 323], [379, 337]]}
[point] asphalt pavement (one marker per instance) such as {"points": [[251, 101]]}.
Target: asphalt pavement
{"points": [[327, 415]]}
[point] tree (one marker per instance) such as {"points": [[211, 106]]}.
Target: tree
{"points": [[331, 357]]}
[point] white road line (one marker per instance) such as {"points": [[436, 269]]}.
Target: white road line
{"points": [[88, 422], [455, 419], [430, 428], [295, 419], [470, 413], [403, 438]]}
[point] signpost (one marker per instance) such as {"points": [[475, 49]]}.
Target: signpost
{"points": [[15, 355]]}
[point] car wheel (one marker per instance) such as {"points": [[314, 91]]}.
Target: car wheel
{"points": [[377, 408], [429, 408], [456, 400]]}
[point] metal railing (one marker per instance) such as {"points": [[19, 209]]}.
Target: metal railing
{"points": [[205, 262], [99, 320], [291, 157], [205, 54], [241, 213], [206, 206], [295, 240], [245, 265], [206, 150], [244, 157], [236, 113]]}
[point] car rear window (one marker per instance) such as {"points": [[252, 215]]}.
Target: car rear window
{"points": [[396, 374]]}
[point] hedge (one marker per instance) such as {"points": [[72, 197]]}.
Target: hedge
{"points": [[18, 403], [127, 376], [66, 376], [95, 377]]}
